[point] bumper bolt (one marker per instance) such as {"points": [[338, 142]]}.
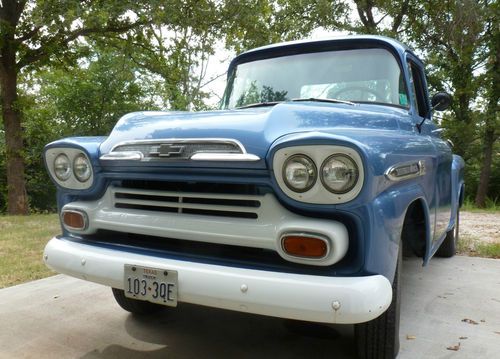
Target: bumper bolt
{"points": [[336, 305]]}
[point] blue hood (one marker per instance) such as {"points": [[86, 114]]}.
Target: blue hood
{"points": [[255, 128]]}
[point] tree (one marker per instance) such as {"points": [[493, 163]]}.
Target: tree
{"points": [[492, 93], [44, 32], [461, 43], [382, 17], [85, 99], [263, 22]]}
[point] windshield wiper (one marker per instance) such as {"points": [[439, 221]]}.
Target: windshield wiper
{"points": [[317, 99], [260, 104], [314, 99]]}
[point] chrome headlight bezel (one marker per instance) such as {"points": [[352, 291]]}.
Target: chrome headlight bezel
{"points": [[72, 182], [318, 193]]}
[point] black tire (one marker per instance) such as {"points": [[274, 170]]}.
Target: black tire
{"points": [[135, 306], [449, 246], [379, 338]]}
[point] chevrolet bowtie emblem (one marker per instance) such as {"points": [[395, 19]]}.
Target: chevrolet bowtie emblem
{"points": [[166, 150]]}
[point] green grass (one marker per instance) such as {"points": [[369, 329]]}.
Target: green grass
{"points": [[22, 239], [491, 206], [472, 246]]}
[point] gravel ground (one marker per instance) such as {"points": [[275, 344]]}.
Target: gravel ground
{"points": [[479, 234], [482, 226]]}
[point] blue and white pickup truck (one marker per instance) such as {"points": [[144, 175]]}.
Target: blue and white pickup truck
{"points": [[294, 200]]}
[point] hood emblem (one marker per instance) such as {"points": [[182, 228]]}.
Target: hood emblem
{"points": [[166, 150]]}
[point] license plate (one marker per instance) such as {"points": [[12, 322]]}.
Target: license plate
{"points": [[151, 284]]}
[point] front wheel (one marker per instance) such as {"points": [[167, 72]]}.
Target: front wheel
{"points": [[449, 246], [379, 338], [135, 306]]}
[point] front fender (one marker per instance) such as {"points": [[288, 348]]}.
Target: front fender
{"points": [[457, 188], [387, 212]]}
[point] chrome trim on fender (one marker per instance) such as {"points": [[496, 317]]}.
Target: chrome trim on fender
{"points": [[405, 170]]}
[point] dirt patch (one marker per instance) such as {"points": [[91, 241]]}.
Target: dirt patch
{"points": [[482, 226], [479, 234]]}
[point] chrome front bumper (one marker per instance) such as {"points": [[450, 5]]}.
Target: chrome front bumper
{"points": [[284, 295]]}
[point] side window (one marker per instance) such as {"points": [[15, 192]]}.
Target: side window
{"points": [[417, 84]]}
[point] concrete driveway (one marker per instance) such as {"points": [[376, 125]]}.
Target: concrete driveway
{"points": [[62, 317]]}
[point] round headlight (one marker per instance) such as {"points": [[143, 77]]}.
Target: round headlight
{"points": [[82, 168], [62, 167], [299, 173], [339, 173]]}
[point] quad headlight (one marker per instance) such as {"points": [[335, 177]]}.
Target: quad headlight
{"points": [[299, 173], [69, 167], [62, 167], [321, 174], [82, 168], [339, 173]]}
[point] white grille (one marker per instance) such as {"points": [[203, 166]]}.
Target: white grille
{"points": [[222, 205]]}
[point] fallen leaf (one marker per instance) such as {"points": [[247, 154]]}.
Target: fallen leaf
{"points": [[497, 333], [410, 337], [470, 321], [462, 338], [454, 347]]}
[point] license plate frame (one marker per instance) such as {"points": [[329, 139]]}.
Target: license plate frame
{"points": [[155, 285]]}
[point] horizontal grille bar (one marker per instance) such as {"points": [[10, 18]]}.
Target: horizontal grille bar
{"points": [[222, 205]]}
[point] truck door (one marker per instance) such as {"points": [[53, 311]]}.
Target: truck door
{"points": [[441, 156]]}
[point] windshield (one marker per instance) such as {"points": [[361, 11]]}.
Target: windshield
{"points": [[361, 75]]}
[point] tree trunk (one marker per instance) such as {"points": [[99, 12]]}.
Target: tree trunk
{"points": [[17, 201], [484, 178], [490, 134]]}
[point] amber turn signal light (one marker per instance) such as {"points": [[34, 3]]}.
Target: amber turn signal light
{"points": [[304, 246], [74, 220]]}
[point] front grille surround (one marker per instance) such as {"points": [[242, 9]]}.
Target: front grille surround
{"points": [[246, 216]]}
